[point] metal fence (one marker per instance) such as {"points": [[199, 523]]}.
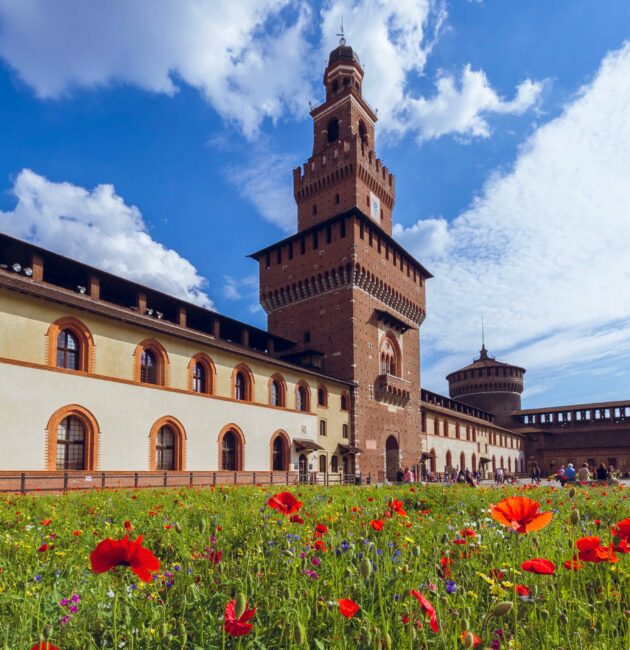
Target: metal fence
{"points": [[65, 481]]}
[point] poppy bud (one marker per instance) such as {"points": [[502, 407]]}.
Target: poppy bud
{"points": [[405, 569], [164, 630], [626, 613], [444, 538], [288, 552], [178, 527], [366, 637], [47, 631], [575, 517], [386, 641], [365, 567], [416, 551], [202, 526], [466, 623], [469, 639], [564, 619], [240, 605], [571, 493], [501, 609], [544, 613]]}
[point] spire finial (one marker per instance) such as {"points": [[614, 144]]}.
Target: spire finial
{"points": [[483, 334], [342, 38]]}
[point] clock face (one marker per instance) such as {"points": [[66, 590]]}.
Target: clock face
{"points": [[375, 207]]}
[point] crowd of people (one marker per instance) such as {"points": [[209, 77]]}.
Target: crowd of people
{"points": [[585, 474]]}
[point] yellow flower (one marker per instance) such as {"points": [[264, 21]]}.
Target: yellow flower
{"points": [[483, 576]]}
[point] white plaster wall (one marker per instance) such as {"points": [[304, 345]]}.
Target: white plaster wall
{"points": [[125, 414]]}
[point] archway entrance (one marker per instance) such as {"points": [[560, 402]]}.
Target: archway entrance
{"points": [[392, 458]]}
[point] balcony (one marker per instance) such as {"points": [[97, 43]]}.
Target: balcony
{"points": [[392, 390]]}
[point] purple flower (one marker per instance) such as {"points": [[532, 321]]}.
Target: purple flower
{"points": [[315, 560], [451, 587]]}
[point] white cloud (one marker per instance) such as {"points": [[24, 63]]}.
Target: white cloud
{"points": [[98, 228], [238, 288], [463, 110], [265, 180], [251, 59], [426, 237], [394, 38], [543, 250], [238, 54]]}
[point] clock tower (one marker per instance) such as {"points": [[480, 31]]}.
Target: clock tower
{"points": [[342, 288]]}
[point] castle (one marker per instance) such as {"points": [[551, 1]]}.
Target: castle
{"points": [[102, 374]]}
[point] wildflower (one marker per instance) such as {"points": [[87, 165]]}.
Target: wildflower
{"points": [[46, 522], [451, 587], [591, 550], [621, 530], [43, 548], [428, 609], [522, 591], [112, 553], [521, 514], [377, 524], [397, 507], [470, 639], [296, 519], [347, 608], [285, 503], [468, 532], [573, 565], [237, 626], [539, 565], [44, 645], [321, 529]]}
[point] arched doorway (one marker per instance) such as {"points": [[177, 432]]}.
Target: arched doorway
{"points": [[392, 458], [462, 461], [474, 462], [449, 462]]}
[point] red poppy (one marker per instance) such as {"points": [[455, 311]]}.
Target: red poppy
{"points": [[347, 608], [285, 503], [468, 532], [591, 550], [321, 529], [428, 609], [215, 556], [377, 524], [520, 513], [539, 565], [296, 519], [445, 564], [44, 645], [475, 639], [497, 573], [397, 507], [43, 548], [573, 565], [46, 522], [320, 546], [622, 529], [128, 525], [76, 533], [522, 590], [111, 553], [237, 626]]}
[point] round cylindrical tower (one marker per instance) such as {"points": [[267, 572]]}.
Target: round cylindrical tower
{"points": [[489, 385]]}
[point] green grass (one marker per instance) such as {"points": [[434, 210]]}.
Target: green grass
{"points": [[267, 558]]}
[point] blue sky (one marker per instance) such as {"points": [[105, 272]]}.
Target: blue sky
{"points": [[157, 140]]}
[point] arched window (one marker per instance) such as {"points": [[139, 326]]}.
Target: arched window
{"points": [[71, 444], [70, 345], [199, 379], [363, 132], [302, 394], [68, 350], [165, 449], [231, 441], [322, 396], [335, 85], [334, 464], [322, 427], [280, 452], [322, 464], [344, 402], [333, 130], [449, 459], [201, 373], [390, 356], [151, 363], [242, 383], [73, 437], [277, 391], [462, 461], [148, 367]]}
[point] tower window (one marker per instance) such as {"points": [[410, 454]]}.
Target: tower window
{"points": [[328, 234], [346, 81], [363, 132], [335, 85], [307, 336], [333, 130], [314, 209]]}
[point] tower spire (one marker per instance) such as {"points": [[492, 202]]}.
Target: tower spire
{"points": [[342, 38], [483, 353]]}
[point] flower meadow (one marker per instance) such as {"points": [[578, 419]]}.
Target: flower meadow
{"points": [[314, 567]]}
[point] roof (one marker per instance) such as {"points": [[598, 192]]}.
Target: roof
{"points": [[343, 53], [356, 212], [573, 407], [484, 361]]}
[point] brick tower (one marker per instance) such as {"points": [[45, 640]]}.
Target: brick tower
{"points": [[349, 295]]}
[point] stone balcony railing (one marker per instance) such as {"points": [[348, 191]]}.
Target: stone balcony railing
{"points": [[392, 390]]}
